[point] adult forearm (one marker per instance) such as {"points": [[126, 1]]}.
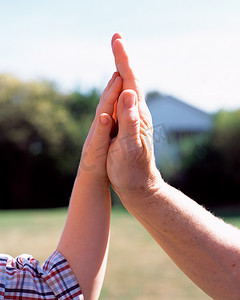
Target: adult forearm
{"points": [[85, 238], [203, 246]]}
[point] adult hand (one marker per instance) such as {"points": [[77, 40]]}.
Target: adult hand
{"points": [[195, 239], [130, 164]]}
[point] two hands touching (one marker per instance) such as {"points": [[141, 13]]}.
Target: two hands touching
{"points": [[119, 147], [119, 150]]}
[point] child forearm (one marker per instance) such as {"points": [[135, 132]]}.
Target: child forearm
{"points": [[85, 238]]}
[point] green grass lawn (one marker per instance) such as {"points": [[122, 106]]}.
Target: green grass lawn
{"points": [[137, 268]]}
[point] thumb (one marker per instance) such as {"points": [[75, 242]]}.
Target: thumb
{"points": [[128, 117], [101, 135]]}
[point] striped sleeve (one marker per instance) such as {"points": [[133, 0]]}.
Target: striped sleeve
{"points": [[23, 278]]}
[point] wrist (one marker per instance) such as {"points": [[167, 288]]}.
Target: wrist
{"points": [[149, 187], [89, 180]]}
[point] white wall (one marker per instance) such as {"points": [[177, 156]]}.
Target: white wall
{"points": [[171, 115]]}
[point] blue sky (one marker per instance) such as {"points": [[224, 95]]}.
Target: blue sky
{"points": [[186, 48]]}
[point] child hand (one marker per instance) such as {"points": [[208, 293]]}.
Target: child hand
{"points": [[94, 154]]}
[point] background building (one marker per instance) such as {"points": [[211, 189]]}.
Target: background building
{"points": [[173, 122]]}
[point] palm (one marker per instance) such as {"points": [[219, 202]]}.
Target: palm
{"points": [[120, 164], [128, 157]]}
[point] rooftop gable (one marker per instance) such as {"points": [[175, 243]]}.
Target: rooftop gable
{"points": [[177, 115]]}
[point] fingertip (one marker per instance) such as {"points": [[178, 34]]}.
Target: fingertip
{"points": [[115, 74], [104, 119], [119, 49], [128, 114], [129, 98], [116, 36], [118, 79], [127, 104], [115, 77]]}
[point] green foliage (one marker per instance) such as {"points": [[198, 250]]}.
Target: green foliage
{"points": [[210, 168], [42, 131], [227, 133]]}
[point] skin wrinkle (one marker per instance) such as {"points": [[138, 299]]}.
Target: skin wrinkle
{"points": [[202, 246], [190, 257]]}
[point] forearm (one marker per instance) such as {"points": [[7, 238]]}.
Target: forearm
{"points": [[203, 246], [85, 238]]}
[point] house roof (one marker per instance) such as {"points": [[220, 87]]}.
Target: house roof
{"points": [[177, 115]]}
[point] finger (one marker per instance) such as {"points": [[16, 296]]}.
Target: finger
{"points": [[101, 135], [132, 131], [129, 79], [123, 66], [106, 104], [95, 153], [122, 61], [116, 36], [128, 118], [111, 81]]}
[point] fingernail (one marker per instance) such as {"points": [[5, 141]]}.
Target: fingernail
{"points": [[104, 120], [129, 100]]}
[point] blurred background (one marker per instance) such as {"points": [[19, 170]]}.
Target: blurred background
{"points": [[55, 60]]}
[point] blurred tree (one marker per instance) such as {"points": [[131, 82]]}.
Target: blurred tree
{"points": [[210, 170], [42, 132]]}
